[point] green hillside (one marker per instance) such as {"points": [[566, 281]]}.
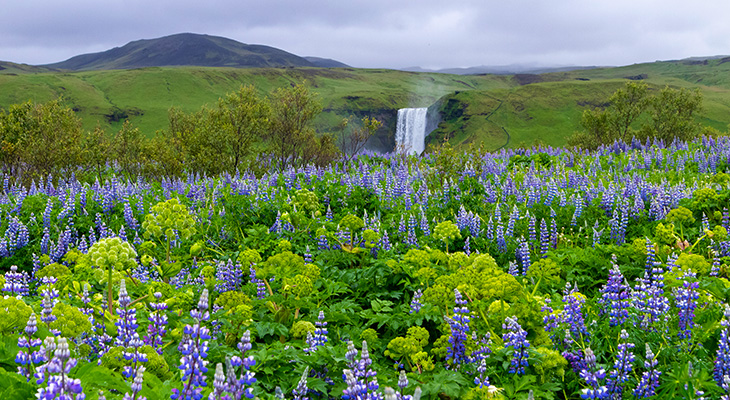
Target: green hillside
{"points": [[548, 107], [145, 95], [496, 110]]}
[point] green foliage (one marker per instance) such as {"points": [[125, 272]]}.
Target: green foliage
{"points": [[156, 364], [70, 321], [671, 116], [695, 262], [14, 314], [482, 280], [112, 253], [166, 217], [39, 139], [446, 231], [301, 328], [547, 272]]}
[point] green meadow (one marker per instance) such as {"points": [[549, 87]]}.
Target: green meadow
{"points": [[491, 110]]}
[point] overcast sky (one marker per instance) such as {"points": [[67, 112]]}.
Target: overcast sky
{"points": [[384, 33]]}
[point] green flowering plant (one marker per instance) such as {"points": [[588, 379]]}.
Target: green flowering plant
{"points": [[166, 218], [14, 314], [112, 254], [353, 224], [70, 321], [446, 231], [410, 349]]}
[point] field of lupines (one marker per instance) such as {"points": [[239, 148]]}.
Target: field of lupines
{"points": [[537, 274]]}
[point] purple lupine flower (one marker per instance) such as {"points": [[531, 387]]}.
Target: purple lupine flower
{"points": [[416, 301], [459, 324], [516, 338], [722, 357], [593, 376], [29, 357], [650, 378], [54, 373], [158, 324], [229, 276], [544, 238], [385, 241], [523, 250], [239, 385], [622, 367], [301, 390], [573, 312], [467, 247], [307, 256], [532, 232], [136, 384], [686, 297], [194, 348], [356, 377], [615, 297], [127, 321], [16, 283], [219, 384]]}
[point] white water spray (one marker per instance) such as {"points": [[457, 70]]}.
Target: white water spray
{"points": [[410, 131]]}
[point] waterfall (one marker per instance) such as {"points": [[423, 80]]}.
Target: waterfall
{"points": [[410, 132]]}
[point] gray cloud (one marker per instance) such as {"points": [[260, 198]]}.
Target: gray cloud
{"points": [[379, 33]]}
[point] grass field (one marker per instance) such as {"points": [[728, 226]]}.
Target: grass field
{"points": [[495, 110]]}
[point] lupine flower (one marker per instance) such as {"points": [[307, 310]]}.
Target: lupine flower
{"points": [[16, 283], [300, 392], [127, 321], [593, 376], [619, 374], [239, 385], [136, 385], [516, 338], [722, 357], [356, 377], [459, 324], [29, 357], [573, 312], [650, 378], [686, 297], [615, 297], [416, 301], [54, 373], [219, 384], [158, 322], [194, 348]]}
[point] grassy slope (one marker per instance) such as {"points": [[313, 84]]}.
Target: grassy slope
{"points": [[147, 94], [492, 107], [550, 109]]}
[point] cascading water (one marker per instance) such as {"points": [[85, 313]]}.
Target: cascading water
{"points": [[410, 131]]}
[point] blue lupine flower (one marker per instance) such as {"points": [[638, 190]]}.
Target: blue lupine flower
{"points": [[615, 297], [516, 338], [194, 349], [686, 297], [650, 378], [593, 376], [459, 324], [416, 301], [622, 367]]}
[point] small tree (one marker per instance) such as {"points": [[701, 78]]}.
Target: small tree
{"points": [[292, 111], [353, 140]]}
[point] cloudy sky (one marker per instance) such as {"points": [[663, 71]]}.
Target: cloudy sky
{"points": [[384, 33]]}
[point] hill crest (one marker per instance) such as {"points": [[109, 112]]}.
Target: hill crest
{"points": [[184, 49]]}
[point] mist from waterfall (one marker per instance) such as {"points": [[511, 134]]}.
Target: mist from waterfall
{"points": [[410, 131]]}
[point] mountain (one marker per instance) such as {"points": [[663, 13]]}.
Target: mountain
{"points": [[326, 62], [500, 69], [184, 49], [7, 67]]}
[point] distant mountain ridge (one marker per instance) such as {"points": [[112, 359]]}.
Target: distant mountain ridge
{"points": [[187, 49]]}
